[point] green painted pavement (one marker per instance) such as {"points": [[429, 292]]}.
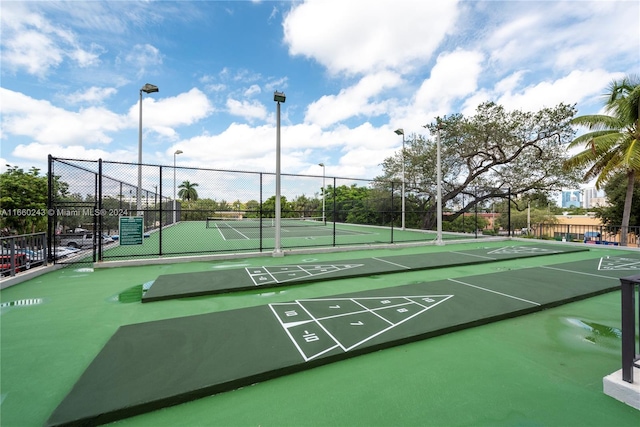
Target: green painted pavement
{"points": [[151, 365]]}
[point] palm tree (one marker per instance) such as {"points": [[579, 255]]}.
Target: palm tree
{"points": [[613, 145], [188, 191]]}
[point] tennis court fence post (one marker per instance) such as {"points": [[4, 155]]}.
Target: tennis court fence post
{"points": [[629, 287]]}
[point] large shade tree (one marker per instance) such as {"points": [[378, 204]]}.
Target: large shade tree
{"points": [[485, 156], [613, 143]]}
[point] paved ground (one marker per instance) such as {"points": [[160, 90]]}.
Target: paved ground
{"points": [[545, 368], [151, 365]]}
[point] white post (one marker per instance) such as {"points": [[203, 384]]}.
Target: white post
{"points": [[324, 190], [439, 241], [277, 250], [139, 191], [403, 176]]}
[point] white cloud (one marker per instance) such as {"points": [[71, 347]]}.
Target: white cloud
{"points": [[454, 76], [33, 43], [250, 110], [577, 87], [252, 90], [47, 124], [562, 36], [143, 57], [180, 110], [361, 36], [33, 51], [93, 95], [352, 101], [34, 152]]}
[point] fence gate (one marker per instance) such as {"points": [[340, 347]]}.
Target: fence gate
{"points": [[74, 228]]}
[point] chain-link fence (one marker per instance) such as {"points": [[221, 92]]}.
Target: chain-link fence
{"points": [[184, 210]]}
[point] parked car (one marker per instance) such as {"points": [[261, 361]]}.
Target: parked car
{"points": [[79, 240], [35, 258], [21, 263], [64, 251]]}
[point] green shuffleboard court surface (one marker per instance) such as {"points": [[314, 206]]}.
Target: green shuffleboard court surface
{"points": [[148, 366], [182, 285]]}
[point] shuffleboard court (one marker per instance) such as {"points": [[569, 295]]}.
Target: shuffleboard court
{"points": [[182, 285], [148, 366]]}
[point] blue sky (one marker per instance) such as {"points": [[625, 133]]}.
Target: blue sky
{"points": [[353, 72]]}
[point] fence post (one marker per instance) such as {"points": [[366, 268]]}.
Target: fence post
{"points": [[260, 214], [393, 211], [334, 211], [509, 213], [100, 218], [160, 213], [628, 289], [51, 219]]}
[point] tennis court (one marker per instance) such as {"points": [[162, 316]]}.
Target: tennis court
{"points": [[150, 365], [204, 237], [291, 228]]}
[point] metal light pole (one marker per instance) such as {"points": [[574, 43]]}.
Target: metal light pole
{"points": [[174, 184], [439, 241], [401, 132], [324, 218], [147, 88], [277, 250]]}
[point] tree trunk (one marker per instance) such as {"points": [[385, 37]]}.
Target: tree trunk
{"points": [[626, 212]]}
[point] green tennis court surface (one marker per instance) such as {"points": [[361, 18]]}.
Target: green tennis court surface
{"points": [[171, 286], [147, 366]]}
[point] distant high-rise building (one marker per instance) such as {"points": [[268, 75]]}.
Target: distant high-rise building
{"points": [[594, 198], [571, 198]]}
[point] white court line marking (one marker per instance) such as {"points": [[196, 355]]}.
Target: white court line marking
{"points": [[239, 233], [220, 231], [479, 256], [295, 343], [252, 276], [393, 325], [392, 263], [495, 292], [579, 272]]}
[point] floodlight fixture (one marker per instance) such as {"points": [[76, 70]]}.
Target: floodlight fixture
{"points": [[399, 131], [149, 88], [279, 96]]}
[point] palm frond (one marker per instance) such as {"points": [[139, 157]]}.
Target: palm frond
{"points": [[599, 122]]}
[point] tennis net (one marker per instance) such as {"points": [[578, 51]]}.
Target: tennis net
{"points": [[225, 222]]}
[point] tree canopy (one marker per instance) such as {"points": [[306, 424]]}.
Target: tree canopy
{"points": [[188, 191], [613, 143], [20, 190], [484, 156]]}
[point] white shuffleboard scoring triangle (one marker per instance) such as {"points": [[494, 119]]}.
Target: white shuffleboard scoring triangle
{"points": [[317, 326], [619, 264], [267, 275], [521, 250]]}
